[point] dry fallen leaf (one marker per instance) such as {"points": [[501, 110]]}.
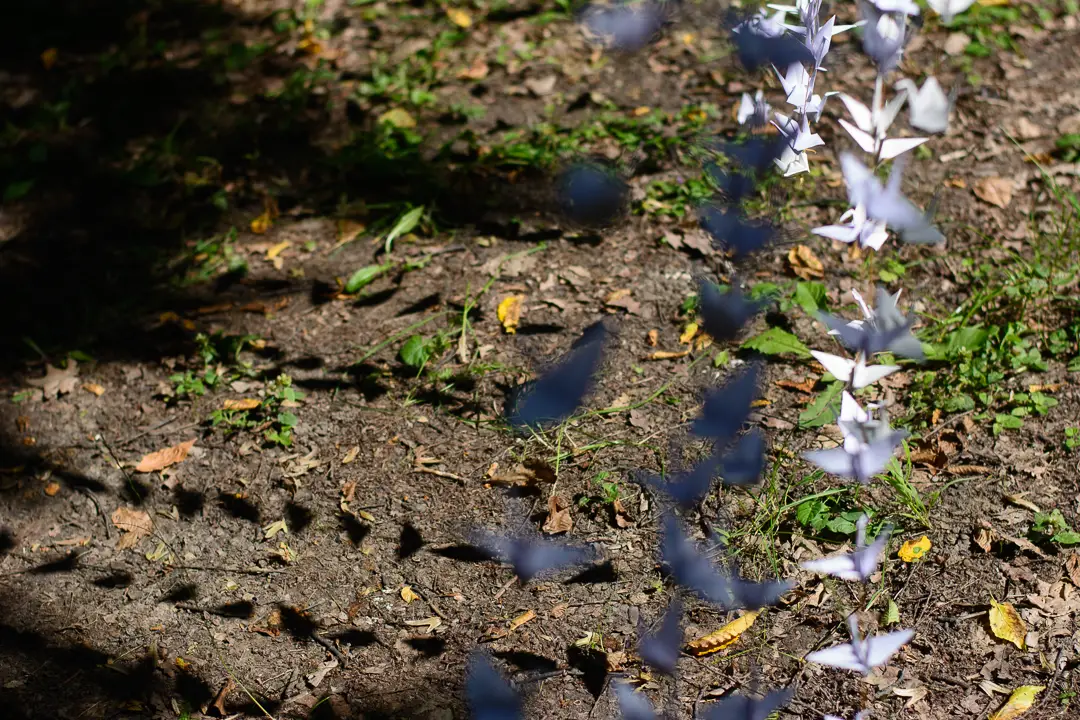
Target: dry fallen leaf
{"points": [[274, 528], [459, 17], [913, 550], [804, 263], [478, 70], [398, 118], [1006, 623], [350, 455], [725, 636], [52, 488], [93, 388], [652, 337], [160, 459], [522, 619], [621, 299], [914, 694], [995, 190], [667, 355], [58, 381], [1018, 703], [133, 525], [559, 519], [1072, 568], [688, 334], [984, 538], [509, 312], [241, 404], [408, 594]]}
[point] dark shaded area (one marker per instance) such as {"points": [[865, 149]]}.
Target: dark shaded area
{"points": [[56, 676], [185, 592], [7, 541], [593, 665], [527, 661], [147, 137], [114, 580], [602, 573], [353, 528], [241, 609], [409, 542], [192, 689], [427, 646], [65, 564], [298, 517], [297, 624], [354, 638], [463, 553], [239, 507], [189, 503]]}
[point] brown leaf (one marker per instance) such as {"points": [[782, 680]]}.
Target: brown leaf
{"points": [[667, 355], [1072, 568], [133, 524], [559, 519], [995, 190], [93, 388], [58, 381], [984, 538], [804, 263], [52, 488], [806, 386], [541, 86], [160, 459], [522, 619], [219, 700], [621, 299], [477, 71], [652, 337]]}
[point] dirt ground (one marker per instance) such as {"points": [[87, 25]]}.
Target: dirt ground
{"points": [[328, 573]]}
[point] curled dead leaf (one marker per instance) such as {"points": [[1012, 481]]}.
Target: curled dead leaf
{"points": [[724, 637], [408, 594], [58, 381], [240, 404], [668, 355], [509, 312], [559, 519], [804, 263], [160, 459]]}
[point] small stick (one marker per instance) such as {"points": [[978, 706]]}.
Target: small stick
{"points": [[105, 520], [329, 645]]}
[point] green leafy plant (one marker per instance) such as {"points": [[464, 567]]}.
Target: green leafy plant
{"points": [[1052, 527]]}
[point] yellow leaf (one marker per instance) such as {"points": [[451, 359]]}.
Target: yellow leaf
{"points": [[914, 550], [522, 619], [408, 594], [241, 404], [459, 17], [992, 3], [1018, 703], [182, 663], [723, 637], [509, 312], [93, 388], [274, 528], [350, 455], [277, 249], [688, 334], [804, 263], [48, 58], [1007, 624], [398, 118], [642, 110], [261, 224], [310, 45]]}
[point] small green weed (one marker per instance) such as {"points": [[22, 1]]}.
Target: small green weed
{"points": [[272, 416], [1051, 527]]}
